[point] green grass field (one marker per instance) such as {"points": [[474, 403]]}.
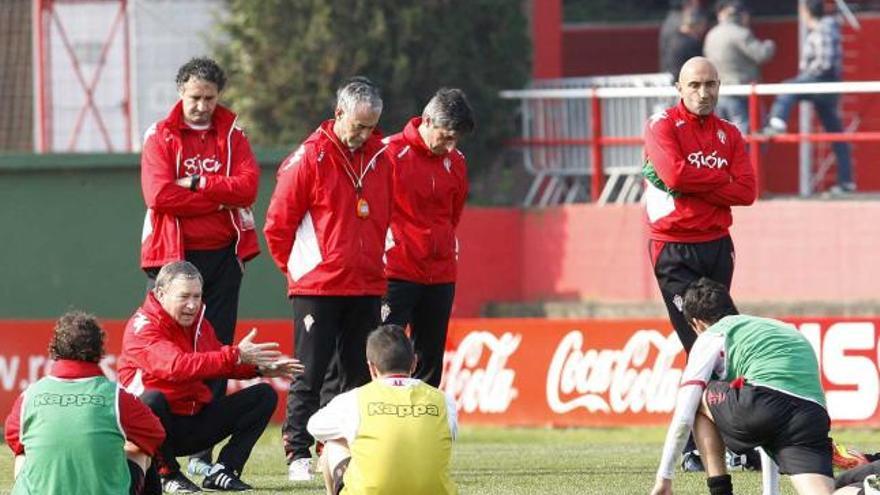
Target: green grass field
{"points": [[513, 461]]}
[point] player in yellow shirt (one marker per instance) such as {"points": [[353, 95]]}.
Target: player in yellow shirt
{"points": [[392, 436]]}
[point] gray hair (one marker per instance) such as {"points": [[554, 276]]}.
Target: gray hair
{"points": [[449, 109], [358, 91], [177, 269]]}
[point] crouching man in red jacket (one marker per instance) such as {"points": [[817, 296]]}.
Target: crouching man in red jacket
{"points": [[168, 352]]}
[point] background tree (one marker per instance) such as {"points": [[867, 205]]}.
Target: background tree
{"points": [[286, 58]]}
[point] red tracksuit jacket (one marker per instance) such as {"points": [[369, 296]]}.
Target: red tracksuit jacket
{"points": [[312, 228], [212, 217], [429, 195], [159, 354], [697, 168]]}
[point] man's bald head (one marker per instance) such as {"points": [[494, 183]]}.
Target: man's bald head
{"points": [[697, 66], [698, 85]]}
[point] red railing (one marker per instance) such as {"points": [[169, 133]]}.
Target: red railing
{"points": [[598, 141]]}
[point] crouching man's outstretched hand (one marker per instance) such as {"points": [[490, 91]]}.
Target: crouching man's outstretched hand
{"points": [[285, 367], [259, 355]]}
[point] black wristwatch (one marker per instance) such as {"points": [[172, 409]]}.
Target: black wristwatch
{"points": [[194, 180]]}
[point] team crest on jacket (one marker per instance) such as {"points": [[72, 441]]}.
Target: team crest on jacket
{"points": [[722, 137], [293, 160], [657, 117], [447, 163], [140, 321], [680, 122]]}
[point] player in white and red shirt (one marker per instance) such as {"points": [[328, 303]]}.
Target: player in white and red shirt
{"points": [[749, 382]]}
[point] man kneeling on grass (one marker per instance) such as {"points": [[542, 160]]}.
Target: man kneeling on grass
{"points": [[769, 395], [392, 436], [75, 431]]}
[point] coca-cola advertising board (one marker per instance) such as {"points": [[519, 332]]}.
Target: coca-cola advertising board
{"points": [[623, 372], [541, 372]]}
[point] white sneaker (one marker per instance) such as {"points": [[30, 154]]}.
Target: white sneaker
{"points": [[872, 485], [779, 124], [775, 126], [298, 470], [198, 467]]}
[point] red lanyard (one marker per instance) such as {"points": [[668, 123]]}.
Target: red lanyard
{"points": [[357, 180], [362, 208]]}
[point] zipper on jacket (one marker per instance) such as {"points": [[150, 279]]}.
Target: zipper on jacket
{"points": [[196, 332], [228, 174], [431, 229]]}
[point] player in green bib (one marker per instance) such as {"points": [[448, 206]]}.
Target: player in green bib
{"points": [[392, 436], [75, 431], [749, 382]]}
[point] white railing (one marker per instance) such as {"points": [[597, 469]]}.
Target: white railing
{"points": [[733, 90]]}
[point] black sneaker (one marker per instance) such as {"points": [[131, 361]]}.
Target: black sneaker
{"points": [[753, 460], [225, 480], [178, 483]]}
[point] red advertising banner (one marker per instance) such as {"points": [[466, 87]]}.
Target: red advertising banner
{"points": [[563, 372], [543, 372], [624, 372]]}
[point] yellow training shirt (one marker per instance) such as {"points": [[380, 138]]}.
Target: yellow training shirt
{"points": [[403, 442]]}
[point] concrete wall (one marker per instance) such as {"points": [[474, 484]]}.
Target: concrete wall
{"points": [[71, 237], [814, 253]]}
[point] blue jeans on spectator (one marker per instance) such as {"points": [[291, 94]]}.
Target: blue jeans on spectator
{"points": [[826, 110]]}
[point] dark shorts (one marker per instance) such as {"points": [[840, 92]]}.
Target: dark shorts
{"points": [[793, 431], [338, 474], [679, 264]]}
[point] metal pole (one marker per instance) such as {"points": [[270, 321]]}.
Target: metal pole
{"points": [[754, 147], [126, 75], [41, 116], [596, 149], [805, 155]]}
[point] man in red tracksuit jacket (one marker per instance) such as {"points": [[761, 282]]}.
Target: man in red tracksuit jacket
{"points": [[696, 168], [169, 351], [326, 228], [199, 179], [430, 189]]}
